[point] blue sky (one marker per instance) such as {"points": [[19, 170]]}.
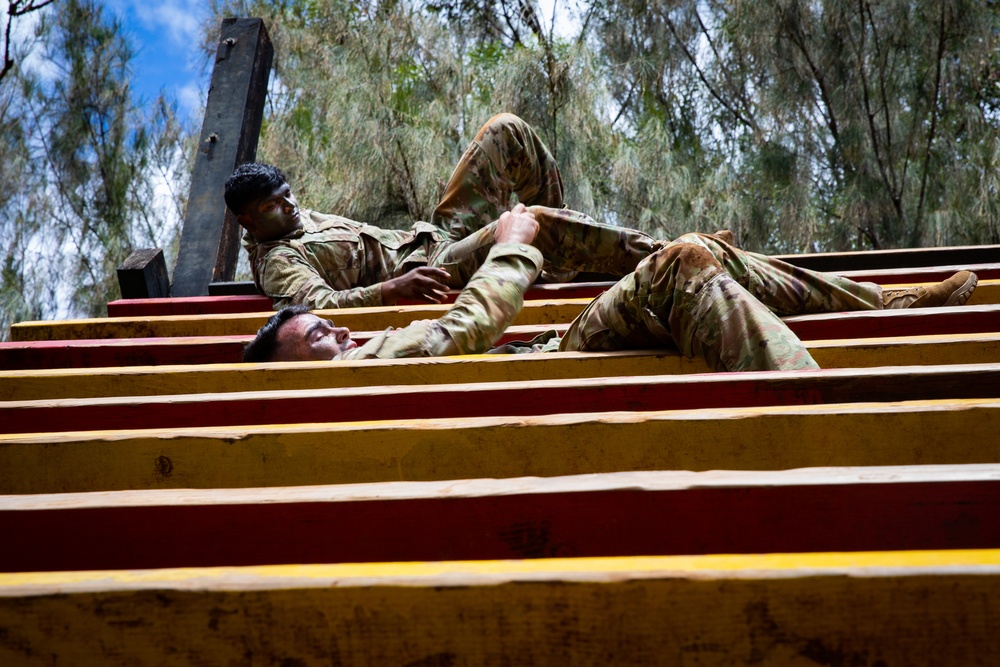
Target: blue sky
{"points": [[166, 35]]}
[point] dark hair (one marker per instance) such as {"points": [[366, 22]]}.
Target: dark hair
{"points": [[264, 346], [249, 181]]}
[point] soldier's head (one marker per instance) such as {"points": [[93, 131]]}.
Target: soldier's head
{"points": [[295, 334], [262, 201]]}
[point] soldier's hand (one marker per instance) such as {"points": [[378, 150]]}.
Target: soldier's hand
{"points": [[517, 225], [425, 284]]}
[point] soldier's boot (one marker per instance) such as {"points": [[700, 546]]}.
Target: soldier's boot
{"points": [[954, 291]]}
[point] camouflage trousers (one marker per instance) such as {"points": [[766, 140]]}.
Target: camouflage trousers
{"points": [[713, 300], [508, 158]]}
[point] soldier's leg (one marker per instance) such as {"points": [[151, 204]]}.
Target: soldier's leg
{"points": [[682, 297], [506, 156], [570, 241], [788, 289]]}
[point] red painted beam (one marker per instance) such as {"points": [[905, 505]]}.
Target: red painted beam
{"points": [[99, 353], [889, 323], [106, 352], [626, 514], [916, 275], [204, 305], [542, 397]]}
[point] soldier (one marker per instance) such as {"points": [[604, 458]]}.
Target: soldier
{"points": [[327, 261], [699, 294]]}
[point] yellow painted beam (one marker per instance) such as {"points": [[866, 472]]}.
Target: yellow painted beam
{"points": [[882, 608], [216, 378], [770, 438], [539, 312], [987, 293]]}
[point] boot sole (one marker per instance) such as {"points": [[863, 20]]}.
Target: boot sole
{"points": [[962, 294]]}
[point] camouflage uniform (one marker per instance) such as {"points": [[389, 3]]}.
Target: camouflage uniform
{"points": [[699, 294], [333, 262], [713, 300], [475, 321]]}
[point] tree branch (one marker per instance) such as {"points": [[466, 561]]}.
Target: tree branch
{"points": [[701, 75], [15, 9], [918, 220]]}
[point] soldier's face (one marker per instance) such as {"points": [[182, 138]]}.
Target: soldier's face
{"points": [[307, 337], [272, 216]]}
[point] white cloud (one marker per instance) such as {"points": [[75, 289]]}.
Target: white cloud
{"points": [[191, 100], [179, 20]]}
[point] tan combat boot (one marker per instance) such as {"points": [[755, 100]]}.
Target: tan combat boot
{"points": [[954, 291]]}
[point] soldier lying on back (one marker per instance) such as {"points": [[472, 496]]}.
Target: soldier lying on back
{"points": [[700, 295]]}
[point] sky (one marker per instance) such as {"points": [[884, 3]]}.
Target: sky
{"points": [[166, 36]]}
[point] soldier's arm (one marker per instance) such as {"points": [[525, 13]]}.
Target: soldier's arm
{"points": [[484, 309], [289, 279]]}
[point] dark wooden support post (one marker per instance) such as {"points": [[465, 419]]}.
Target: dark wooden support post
{"points": [[143, 275], [210, 238]]}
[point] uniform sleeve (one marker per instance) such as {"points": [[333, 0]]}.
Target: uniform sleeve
{"points": [[289, 279], [480, 314]]}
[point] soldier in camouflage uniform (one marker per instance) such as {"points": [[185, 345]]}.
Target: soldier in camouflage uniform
{"points": [[327, 261], [699, 294]]}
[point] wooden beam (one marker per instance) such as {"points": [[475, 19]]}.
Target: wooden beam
{"points": [[921, 274], [493, 399], [216, 378], [624, 514], [891, 259], [184, 350], [143, 275], [203, 305], [189, 305], [253, 302], [556, 311], [233, 115], [542, 312], [874, 608], [767, 438], [92, 353]]}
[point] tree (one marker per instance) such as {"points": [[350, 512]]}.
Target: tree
{"points": [[81, 170]]}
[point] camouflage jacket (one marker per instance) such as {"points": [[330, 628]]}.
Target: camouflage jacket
{"points": [[333, 262], [475, 321]]}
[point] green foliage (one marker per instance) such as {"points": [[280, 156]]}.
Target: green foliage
{"points": [[801, 125], [84, 171]]}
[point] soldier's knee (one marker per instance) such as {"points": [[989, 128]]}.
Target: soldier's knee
{"points": [[504, 123], [690, 237], [680, 259]]}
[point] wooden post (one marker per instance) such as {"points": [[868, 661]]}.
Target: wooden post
{"points": [[143, 275], [210, 239]]}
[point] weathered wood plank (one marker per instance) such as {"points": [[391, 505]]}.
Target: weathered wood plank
{"points": [[920, 274], [217, 378], [143, 275], [203, 305], [876, 608], [891, 259], [184, 350], [624, 514], [175, 350], [233, 115], [234, 324], [254, 302], [767, 438], [542, 312], [492, 399]]}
